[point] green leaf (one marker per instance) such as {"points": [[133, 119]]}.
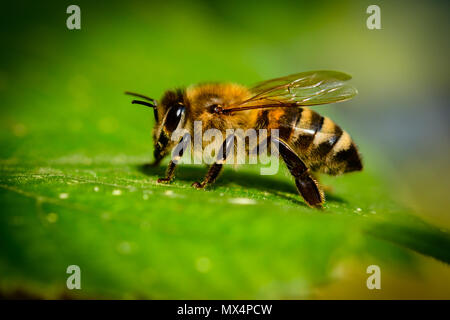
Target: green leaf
{"points": [[249, 236]]}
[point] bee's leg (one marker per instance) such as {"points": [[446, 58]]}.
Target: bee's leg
{"points": [[211, 176], [217, 166], [176, 156], [170, 173], [306, 185]]}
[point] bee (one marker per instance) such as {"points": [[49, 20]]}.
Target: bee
{"points": [[308, 143]]}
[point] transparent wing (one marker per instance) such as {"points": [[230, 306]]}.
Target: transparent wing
{"points": [[301, 89]]}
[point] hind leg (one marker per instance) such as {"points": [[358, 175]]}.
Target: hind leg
{"points": [[306, 185]]}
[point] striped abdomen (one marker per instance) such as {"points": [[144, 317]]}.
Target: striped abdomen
{"points": [[317, 140]]}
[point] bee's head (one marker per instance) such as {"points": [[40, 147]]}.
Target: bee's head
{"points": [[169, 116]]}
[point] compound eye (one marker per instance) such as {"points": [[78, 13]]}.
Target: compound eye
{"points": [[155, 112], [174, 117]]}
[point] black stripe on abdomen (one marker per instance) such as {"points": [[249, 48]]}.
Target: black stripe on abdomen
{"points": [[306, 127], [323, 148], [350, 157], [287, 122]]}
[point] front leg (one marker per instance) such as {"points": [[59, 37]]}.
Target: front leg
{"points": [[210, 177], [170, 173], [176, 156], [217, 166]]}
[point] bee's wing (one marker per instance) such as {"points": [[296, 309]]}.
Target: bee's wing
{"points": [[301, 89]]}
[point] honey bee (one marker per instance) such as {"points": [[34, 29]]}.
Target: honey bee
{"points": [[308, 142]]}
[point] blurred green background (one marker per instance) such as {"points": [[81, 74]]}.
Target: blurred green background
{"points": [[73, 188]]}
